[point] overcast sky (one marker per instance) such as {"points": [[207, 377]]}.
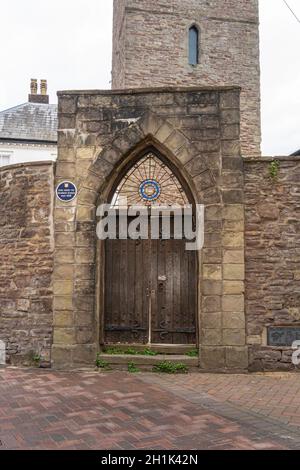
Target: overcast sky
{"points": [[68, 42]]}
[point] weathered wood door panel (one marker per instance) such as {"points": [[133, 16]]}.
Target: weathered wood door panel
{"points": [[150, 292], [174, 287], [126, 302]]}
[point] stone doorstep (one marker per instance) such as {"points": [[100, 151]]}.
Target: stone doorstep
{"points": [[224, 371], [172, 349], [149, 361]]}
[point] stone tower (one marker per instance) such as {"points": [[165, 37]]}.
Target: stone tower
{"points": [[151, 49]]}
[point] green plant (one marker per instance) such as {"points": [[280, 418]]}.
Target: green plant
{"points": [[148, 352], [129, 351], [33, 359], [112, 351], [170, 368], [274, 169], [118, 351], [193, 353], [132, 368], [36, 358], [100, 364]]}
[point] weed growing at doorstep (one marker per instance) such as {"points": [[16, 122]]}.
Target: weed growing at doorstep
{"points": [[100, 364], [132, 368], [193, 353], [130, 352]]}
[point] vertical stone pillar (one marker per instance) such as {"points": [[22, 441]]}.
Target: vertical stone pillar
{"points": [[74, 341], [223, 343]]}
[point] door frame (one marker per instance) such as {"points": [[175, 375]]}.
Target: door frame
{"points": [[100, 248], [151, 291]]}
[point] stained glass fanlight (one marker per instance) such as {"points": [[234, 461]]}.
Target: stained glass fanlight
{"points": [[150, 182]]}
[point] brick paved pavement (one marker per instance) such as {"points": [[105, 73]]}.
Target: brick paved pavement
{"points": [[116, 410], [274, 395]]}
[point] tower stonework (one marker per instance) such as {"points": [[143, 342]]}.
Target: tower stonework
{"points": [[151, 49]]}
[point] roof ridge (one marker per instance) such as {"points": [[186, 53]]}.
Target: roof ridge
{"points": [[13, 107], [27, 103]]}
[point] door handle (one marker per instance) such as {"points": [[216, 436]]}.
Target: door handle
{"points": [[150, 292]]}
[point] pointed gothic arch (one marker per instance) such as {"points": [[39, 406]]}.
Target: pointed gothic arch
{"points": [[149, 177], [150, 286], [150, 132]]}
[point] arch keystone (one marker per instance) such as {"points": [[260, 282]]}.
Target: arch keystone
{"points": [[151, 123], [130, 137]]}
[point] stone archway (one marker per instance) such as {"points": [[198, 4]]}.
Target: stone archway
{"points": [[215, 181]]}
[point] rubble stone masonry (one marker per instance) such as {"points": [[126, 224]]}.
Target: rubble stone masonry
{"points": [[26, 261], [150, 48], [272, 257]]}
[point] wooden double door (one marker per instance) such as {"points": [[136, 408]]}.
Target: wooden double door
{"points": [[150, 292]]}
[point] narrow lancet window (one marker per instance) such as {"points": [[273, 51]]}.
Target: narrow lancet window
{"points": [[193, 45]]}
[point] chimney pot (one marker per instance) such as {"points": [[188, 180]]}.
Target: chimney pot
{"points": [[34, 97], [43, 87], [33, 86]]}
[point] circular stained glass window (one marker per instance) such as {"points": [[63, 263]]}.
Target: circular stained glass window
{"points": [[150, 190]]}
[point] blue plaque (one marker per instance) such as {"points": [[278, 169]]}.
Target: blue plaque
{"points": [[66, 191]]}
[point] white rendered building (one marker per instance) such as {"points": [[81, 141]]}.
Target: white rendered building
{"points": [[28, 132]]}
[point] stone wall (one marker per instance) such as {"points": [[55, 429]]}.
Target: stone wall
{"points": [[100, 133], [198, 129], [26, 260], [272, 257], [150, 48]]}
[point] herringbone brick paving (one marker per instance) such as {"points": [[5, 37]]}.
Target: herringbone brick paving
{"points": [[122, 411]]}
